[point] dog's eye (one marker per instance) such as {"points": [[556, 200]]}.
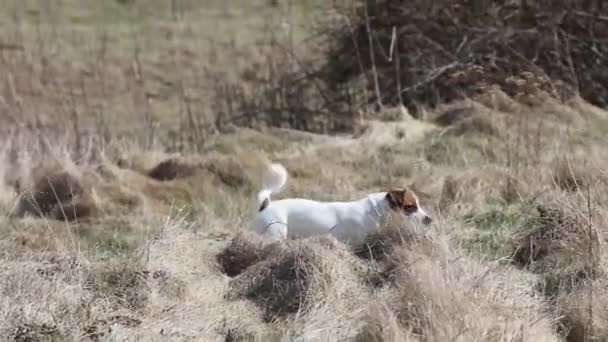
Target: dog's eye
{"points": [[410, 208]]}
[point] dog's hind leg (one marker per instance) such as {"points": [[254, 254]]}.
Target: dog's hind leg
{"points": [[276, 231]]}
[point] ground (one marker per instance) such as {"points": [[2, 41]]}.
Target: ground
{"points": [[134, 239]]}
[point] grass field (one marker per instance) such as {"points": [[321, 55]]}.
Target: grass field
{"points": [[123, 209]]}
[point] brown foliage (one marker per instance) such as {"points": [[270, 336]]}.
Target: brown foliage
{"points": [[451, 50]]}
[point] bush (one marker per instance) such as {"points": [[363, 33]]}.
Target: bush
{"points": [[446, 50]]}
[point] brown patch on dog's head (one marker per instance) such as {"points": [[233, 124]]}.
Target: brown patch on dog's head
{"points": [[401, 199]]}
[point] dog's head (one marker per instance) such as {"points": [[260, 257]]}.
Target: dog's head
{"points": [[406, 203]]}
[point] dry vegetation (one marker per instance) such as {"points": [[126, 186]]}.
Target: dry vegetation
{"points": [[134, 136]]}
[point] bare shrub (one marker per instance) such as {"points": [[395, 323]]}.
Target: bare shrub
{"points": [[443, 51]]}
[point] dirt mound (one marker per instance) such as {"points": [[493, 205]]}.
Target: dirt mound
{"points": [[57, 195], [441, 51]]}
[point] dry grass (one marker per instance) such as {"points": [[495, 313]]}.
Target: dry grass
{"points": [[162, 256], [113, 236]]}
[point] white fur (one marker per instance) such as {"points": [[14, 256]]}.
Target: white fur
{"points": [[274, 183], [349, 222]]}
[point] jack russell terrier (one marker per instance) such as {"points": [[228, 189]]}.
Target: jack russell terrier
{"points": [[349, 222]]}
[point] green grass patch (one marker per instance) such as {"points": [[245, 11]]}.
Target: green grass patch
{"points": [[490, 231]]}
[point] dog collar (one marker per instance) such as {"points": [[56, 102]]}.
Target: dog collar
{"points": [[271, 223]]}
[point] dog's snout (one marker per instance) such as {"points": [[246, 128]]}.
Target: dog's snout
{"points": [[427, 220]]}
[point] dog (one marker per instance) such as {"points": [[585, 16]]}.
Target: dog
{"points": [[349, 222]]}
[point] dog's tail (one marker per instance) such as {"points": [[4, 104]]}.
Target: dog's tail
{"points": [[274, 183]]}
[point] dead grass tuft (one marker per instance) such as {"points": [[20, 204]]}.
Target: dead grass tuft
{"points": [[36, 332], [583, 312], [555, 239], [380, 244], [101, 327], [57, 195], [122, 283], [169, 285], [245, 249], [171, 169], [229, 171], [469, 119], [571, 176], [281, 284], [300, 277], [432, 291]]}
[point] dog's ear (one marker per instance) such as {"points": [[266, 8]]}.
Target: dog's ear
{"points": [[401, 198], [394, 197]]}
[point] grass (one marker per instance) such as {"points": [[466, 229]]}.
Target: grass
{"points": [[159, 255]]}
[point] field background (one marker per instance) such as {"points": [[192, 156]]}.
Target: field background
{"points": [[135, 134]]}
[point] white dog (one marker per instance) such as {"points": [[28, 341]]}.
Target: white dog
{"points": [[349, 222]]}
